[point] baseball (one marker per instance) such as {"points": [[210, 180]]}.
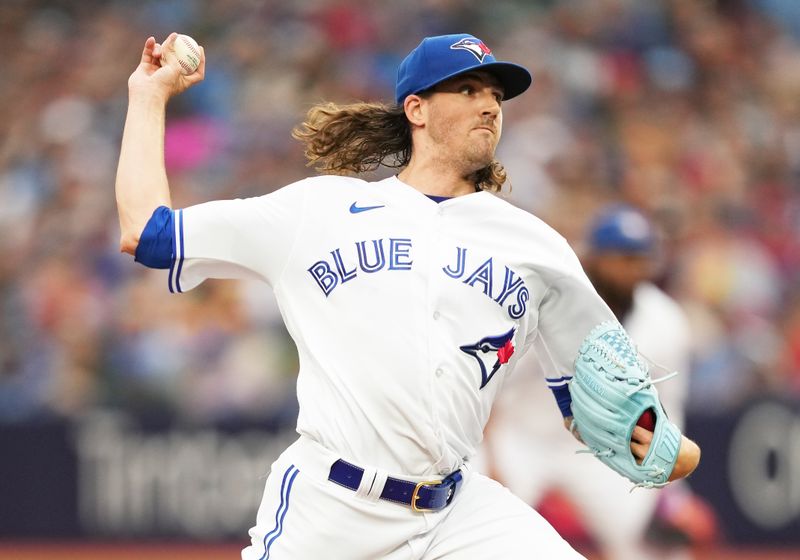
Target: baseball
{"points": [[183, 53], [647, 420]]}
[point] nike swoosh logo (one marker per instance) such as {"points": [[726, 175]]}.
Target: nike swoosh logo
{"points": [[355, 209]]}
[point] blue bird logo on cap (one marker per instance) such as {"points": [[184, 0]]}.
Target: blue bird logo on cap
{"points": [[477, 48]]}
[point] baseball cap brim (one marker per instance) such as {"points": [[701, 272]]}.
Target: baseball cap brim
{"points": [[513, 78]]}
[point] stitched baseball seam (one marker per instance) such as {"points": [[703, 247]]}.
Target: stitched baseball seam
{"points": [[189, 44]]}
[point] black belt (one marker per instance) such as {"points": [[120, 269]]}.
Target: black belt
{"points": [[421, 496]]}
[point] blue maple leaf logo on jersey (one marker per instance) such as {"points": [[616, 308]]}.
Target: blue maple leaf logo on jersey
{"points": [[477, 48], [500, 348]]}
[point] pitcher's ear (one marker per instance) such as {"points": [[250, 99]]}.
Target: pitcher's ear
{"points": [[414, 108]]}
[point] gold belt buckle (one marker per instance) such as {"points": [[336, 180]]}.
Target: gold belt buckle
{"points": [[415, 495]]}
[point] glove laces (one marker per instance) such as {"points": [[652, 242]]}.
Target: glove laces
{"points": [[597, 452], [648, 382], [655, 472]]}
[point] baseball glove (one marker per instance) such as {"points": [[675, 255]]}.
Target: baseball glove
{"points": [[611, 390]]}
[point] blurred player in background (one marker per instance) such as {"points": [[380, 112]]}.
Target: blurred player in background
{"points": [[524, 447]]}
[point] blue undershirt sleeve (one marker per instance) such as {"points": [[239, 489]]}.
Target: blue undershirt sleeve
{"points": [[155, 244], [563, 399]]}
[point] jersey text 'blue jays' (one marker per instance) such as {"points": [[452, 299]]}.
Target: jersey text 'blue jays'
{"points": [[394, 254]]}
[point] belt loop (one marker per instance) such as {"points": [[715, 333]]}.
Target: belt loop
{"points": [[367, 482], [377, 487]]}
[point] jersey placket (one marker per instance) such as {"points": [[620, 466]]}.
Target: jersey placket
{"points": [[441, 368]]}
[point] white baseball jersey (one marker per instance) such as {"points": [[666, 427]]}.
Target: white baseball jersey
{"points": [[408, 314]]}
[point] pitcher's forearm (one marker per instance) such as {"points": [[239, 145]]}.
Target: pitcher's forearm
{"points": [[141, 184]]}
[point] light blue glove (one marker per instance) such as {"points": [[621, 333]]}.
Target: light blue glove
{"points": [[611, 389]]}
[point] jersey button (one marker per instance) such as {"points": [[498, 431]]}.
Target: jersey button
{"points": [[439, 372], [436, 315]]}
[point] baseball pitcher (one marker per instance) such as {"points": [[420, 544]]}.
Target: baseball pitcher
{"points": [[410, 301]]}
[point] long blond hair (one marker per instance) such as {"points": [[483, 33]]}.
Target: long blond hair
{"points": [[357, 138]]}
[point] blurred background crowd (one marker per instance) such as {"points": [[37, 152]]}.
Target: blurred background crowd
{"points": [[688, 109]]}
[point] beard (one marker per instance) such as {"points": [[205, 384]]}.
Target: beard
{"points": [[470, 155], [475, 158]]}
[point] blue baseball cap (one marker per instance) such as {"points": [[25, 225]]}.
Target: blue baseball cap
{"points": [[622, 228], [438, 58]]}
